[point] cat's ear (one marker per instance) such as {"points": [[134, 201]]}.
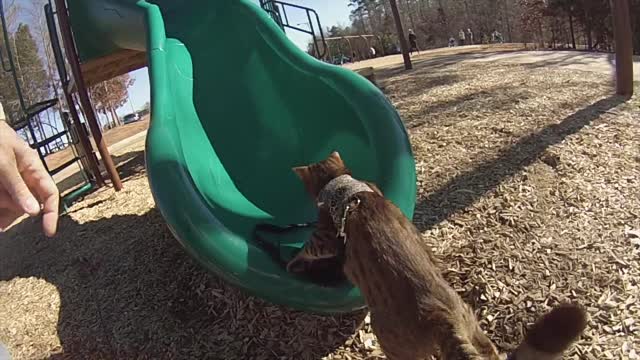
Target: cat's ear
{"points": [[303, 173], [374, 188], [336, 156]]}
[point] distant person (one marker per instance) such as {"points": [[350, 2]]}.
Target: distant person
{"points": [[461, 38], [470, 36], [452, 42], [413, 42], [496, 37], [372, 51]]}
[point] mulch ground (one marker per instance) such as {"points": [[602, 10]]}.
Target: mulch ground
{"points": [[529, 192]]}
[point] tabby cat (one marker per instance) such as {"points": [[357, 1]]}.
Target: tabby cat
{"points": [[414, 311]]}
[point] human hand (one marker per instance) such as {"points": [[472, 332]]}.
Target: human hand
{"points": [[25, 185]]}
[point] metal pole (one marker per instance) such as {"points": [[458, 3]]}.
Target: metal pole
{"points": [[624, 47], [85, 144], [74, 62]]}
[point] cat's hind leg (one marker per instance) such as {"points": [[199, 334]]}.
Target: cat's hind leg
{"points": [[398, 347]]}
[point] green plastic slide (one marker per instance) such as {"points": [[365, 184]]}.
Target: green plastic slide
{"points": [[235, 105]]}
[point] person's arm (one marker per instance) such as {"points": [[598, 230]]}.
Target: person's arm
{"points": [[25, 185]]}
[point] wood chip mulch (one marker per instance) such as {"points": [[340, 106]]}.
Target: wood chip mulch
{"points": [[529, 192]]}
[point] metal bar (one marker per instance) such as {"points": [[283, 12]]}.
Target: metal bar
{"points": [[83, 139], [624, 47], [299, 29], [65, 165], [73, 195], [55, 42], [324, 43], [284, 11], [51, 139], [35, 141], [313, 34], [76, 71]]}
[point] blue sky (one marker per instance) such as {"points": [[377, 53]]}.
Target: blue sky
{"points": [[331, 12]]}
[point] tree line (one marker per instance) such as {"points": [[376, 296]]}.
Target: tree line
{"points": [[576, 24]]}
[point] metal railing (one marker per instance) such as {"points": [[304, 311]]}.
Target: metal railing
{"points": [[278, 11]]}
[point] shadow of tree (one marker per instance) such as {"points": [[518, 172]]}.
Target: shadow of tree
{"points": [[128, 290], [437, 62], [466, 188], [572, 57]]}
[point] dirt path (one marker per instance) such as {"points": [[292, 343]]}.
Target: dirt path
{"points": [[111, 137], [509, 53]]}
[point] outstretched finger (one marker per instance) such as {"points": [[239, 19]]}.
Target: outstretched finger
{"points": [[41, 184], [51, 200], [12, 182]]}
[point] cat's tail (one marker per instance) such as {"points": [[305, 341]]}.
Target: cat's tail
{"points": [[553, 334]]}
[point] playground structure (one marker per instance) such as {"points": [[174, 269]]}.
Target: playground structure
{"points": [[278, 11], [212, 187], [204, 178], [357, 47], [75, 132]]}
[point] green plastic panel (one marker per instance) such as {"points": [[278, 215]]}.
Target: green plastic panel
{"points": [[235, 105]]}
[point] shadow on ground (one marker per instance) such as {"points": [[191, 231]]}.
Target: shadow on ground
{"points": [[129, 165], [437, 62], [444, 202], [128, 290]]}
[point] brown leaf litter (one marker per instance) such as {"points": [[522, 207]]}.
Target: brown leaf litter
{"points": [[528, 184]]}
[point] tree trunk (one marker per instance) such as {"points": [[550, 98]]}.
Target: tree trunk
{"points": [[589, 36], [506, 13], [541, 34], [115, 117], [573, 35], [110, 121], [624, 47], [403, 40]]}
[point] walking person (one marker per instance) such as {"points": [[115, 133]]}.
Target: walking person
{"points": [[413, 43], [461, 38], [470, 36]]}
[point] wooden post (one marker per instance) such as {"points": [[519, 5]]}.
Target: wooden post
{"points": [[624, 47], [403, 40], [74, 63]]}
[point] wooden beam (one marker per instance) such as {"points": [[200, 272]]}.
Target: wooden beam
{"points": [[98, 70], [624, 47]]}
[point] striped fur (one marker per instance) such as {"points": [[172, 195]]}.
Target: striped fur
{"points": [[414, 312]]}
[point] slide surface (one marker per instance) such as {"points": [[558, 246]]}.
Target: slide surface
{"points": [[235, 105]]}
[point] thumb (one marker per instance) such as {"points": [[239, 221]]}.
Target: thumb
{"points": [[13, 183]]}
